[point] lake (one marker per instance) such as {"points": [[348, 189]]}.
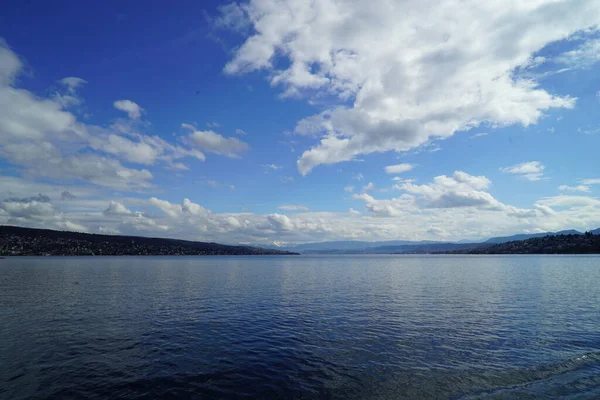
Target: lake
{"points": [[347, 327]]}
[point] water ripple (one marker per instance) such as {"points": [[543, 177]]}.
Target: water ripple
{"points": [[300, 327]]}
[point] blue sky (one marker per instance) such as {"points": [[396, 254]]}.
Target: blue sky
{"points": [[277, 120]]}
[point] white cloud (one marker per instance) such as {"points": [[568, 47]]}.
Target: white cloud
{"points": [[412, 71], [232, 16], [116, 209], [398, 168], [240, 132], [292, 207], [459, 200], [349, 188], [589, 131], [143, 149], [286, 179], [68, 96], [368, 187], [35, 212], [532, 170], [132, 109], [460, 190], [213, 142], [479, 135], [584, 56], [273, 167], [213, 124], [594, 181], [72, 83], [580, 188], [359, 177], [40, 139], [10, 65], [419, 213]]}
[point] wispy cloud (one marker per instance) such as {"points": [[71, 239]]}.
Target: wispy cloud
{"points": [[292, 207], [368, 187], [478, 135], [532, 170], [580, 188], [399, 168], [271, 167], [593, 181]]}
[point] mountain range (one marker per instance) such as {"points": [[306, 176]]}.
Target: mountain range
{"points": [[407, 246]]}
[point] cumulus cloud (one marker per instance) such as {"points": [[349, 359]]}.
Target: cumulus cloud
{"points": [[213, 142], [412, 72], [43, 140], [132, 109], [532, 170], [461, 190], [117, 209], [414, 215], [398, 168], [37, 212]]}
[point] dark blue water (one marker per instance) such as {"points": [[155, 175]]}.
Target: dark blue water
{"points": [[300, 327]]}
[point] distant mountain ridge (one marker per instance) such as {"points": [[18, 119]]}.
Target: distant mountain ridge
{"points": [[415, 247]]}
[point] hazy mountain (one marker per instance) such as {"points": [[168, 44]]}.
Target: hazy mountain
{"points": [[407, 246], [353, 246]]}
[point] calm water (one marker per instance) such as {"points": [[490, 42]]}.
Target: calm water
{"points": [[300, 327]]}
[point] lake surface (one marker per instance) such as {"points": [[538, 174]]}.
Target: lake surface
{"points": [[347, 327]]}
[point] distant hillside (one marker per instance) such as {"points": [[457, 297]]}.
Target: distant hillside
{"points": [[411, 247], [26, 241], [525, 236], [415, 248], [348, 246], [587, 243]]}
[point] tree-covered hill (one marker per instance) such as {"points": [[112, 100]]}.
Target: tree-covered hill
{"points": [[587, 243], [27, 241]]}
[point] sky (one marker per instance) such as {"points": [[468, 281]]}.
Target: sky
{"points": [[287, 121]]}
